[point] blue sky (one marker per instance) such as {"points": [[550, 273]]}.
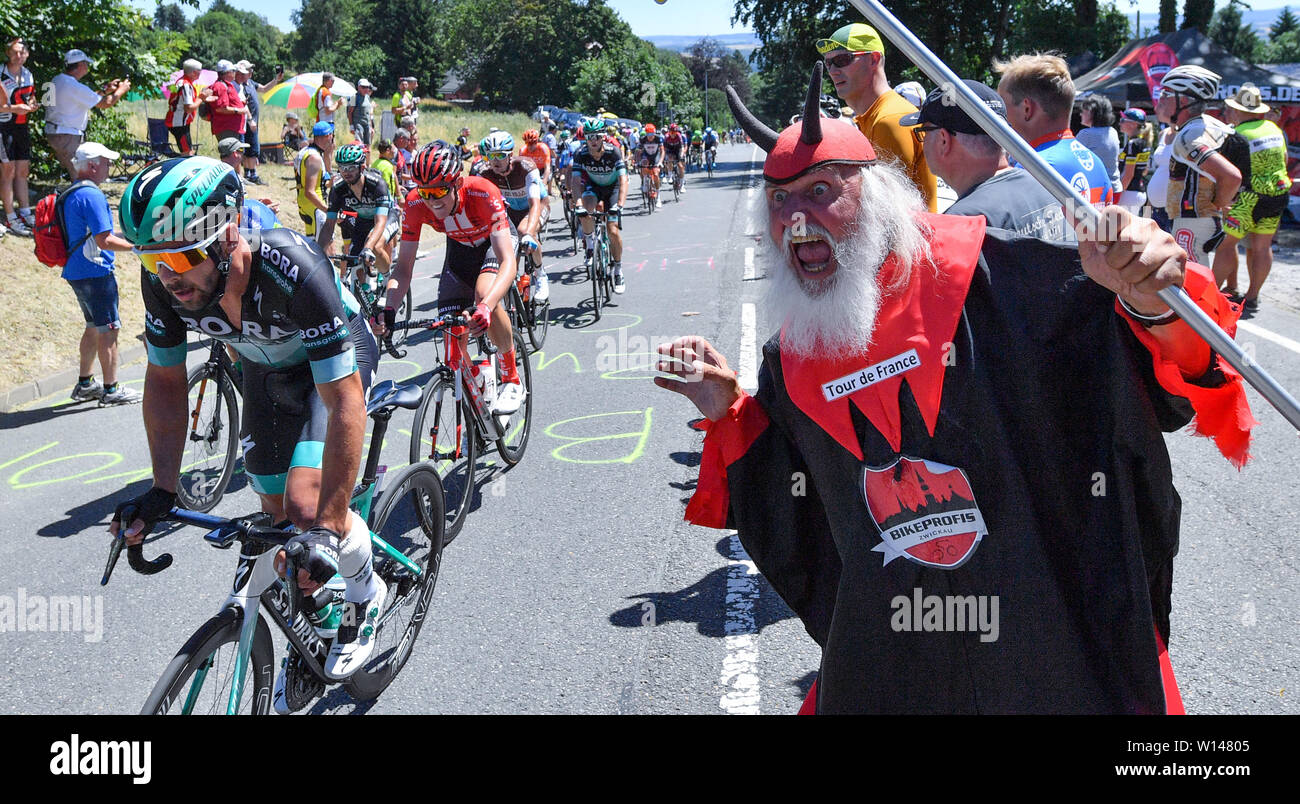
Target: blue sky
{"points": [[647, 18]]}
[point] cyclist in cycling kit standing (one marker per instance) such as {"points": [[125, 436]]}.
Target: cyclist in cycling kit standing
{"points": [[479, 266], [520, 183], [652, 157], [361, 197], [310, 174], [674, 151], [600, 178], [1202, 179], [307, 357]]}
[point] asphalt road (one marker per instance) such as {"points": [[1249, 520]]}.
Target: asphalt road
{"points": [[575, 586]]}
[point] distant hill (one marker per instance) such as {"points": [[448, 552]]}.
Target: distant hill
{"points": [[1260, 18], [744, 42]]}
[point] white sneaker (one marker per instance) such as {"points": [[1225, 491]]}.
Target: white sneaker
{"points": [[510, 396], [82, 393], [122, 396], [19, 228], [28, 218], [542, 288], [620, 284], [356, 639]]}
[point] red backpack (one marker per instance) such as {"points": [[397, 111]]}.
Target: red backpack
{"points": [[52, 247]]}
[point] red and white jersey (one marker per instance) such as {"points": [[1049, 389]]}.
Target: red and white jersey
{"points": [[183, 93], [480, 212]]}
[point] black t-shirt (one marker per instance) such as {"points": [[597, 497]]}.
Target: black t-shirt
{"points": [[294, 311]]}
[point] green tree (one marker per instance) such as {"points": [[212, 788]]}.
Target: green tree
{"points": [[225, 32], [1231, 34], [724, 65], [1283, 50], [1168, 16], [1285, 23], [170, 17], [1197, 14], [630, 79], [117, 36]]}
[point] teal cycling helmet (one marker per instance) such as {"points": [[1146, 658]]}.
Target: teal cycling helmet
{"points": [[498, 142], [350, 155]]}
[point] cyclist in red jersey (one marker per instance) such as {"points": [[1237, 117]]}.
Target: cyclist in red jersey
{"points": [[479, 266]]}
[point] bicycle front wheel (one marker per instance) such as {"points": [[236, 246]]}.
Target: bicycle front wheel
{"points": [[443, 434], [512, 444], [410, 518], [199, 678], [212, 441]]}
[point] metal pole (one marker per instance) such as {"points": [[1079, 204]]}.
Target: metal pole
{"points": [[1082, 211], [706, 95]]}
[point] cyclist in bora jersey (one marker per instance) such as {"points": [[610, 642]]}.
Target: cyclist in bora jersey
{"points": [[600, 179], [361, 197], [479, 265], [307, 357]]}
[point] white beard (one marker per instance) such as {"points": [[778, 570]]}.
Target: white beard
{"points": [[836, 317]]}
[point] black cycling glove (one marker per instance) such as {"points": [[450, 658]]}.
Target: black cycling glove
{"points": [[150, 507], [321, 556]]}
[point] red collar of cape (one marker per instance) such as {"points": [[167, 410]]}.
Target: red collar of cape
{"points": [[923, 316]]}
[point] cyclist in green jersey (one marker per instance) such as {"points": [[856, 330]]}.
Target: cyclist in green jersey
{"points": [[1257, 209]]}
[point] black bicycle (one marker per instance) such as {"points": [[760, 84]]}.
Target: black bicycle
{"points": [[600, 269], [368, 290], [455, 421], [525, 311], [212, 443]]}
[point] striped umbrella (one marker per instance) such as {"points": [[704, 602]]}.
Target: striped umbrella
{"points": [[296, 92]]}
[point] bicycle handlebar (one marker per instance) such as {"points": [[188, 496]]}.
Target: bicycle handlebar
{"points": [[222, 533]]}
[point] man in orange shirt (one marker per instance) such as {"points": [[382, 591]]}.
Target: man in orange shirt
{"points": [[855, 60]]}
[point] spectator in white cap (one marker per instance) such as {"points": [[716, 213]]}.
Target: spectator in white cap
{"points": [[361, 113], [88, 226], [183, 105], [229, 116], [68, 113], [248, 90]]}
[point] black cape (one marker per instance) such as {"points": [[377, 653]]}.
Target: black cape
{"points": [[1053, 412]]}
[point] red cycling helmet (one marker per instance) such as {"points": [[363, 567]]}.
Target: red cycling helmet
{"points": [[435, 164], [531, 136], [674, 127], [649, 128]]}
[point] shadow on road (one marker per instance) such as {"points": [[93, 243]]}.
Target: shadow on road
{"points": [[700, 603]]}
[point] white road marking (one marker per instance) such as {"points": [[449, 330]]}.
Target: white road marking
{"points": [[740, 664], [749, 263], [1269, 335], [748, 374]]}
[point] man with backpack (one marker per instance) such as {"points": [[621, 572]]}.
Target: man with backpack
{"points": [[87, 230]]}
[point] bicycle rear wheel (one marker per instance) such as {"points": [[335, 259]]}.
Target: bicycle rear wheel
{"points": [[410, 517], [443, 434], [199, 678], [512, 444], [212, 441]]}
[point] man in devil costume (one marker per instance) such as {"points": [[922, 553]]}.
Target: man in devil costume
{"points": [[953, 416]]}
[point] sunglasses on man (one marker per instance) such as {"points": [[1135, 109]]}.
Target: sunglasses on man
{"points": [[434, 193], [178, 260], [842, 60]]}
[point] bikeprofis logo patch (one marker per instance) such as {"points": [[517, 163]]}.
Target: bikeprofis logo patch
{"points": [[925, 511]]}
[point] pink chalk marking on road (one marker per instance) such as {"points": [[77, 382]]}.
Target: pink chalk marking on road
{"points": [[710, 263], [640, 265], [664, 267]]}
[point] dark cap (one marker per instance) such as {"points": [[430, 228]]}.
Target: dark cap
{"points": [[940, 109]]}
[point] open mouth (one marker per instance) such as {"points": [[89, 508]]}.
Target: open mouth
{"points": [[813, 256]]}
